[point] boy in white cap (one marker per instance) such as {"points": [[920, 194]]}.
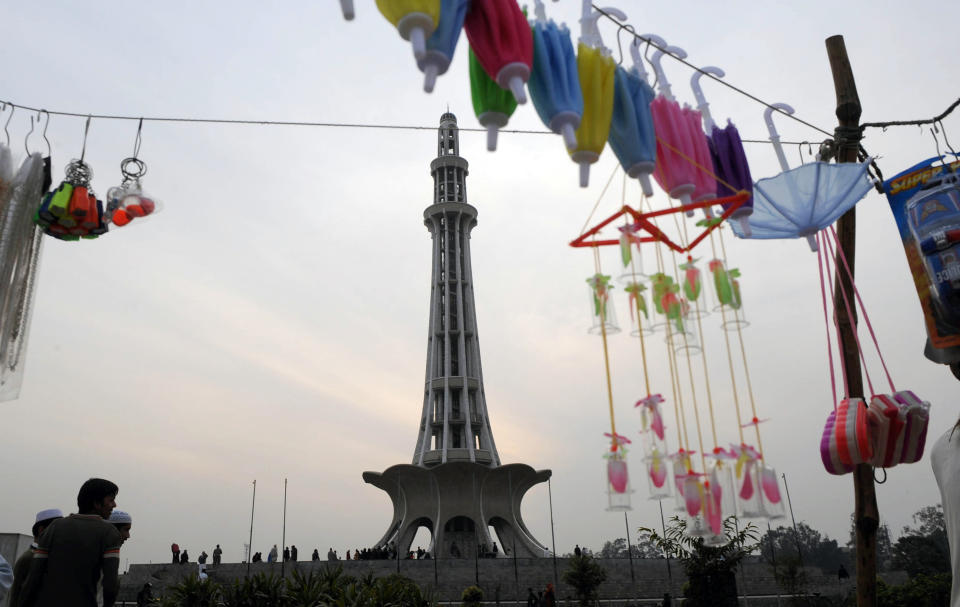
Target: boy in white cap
{"points": [[122, 521], [22, 567]]}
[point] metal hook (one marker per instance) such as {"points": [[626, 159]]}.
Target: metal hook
{"points": [[943, 132], [86, 130], [936, 142], [620, 29], [800, 150], [6, 126], [26, 140], [45, 127], [137, 141]]}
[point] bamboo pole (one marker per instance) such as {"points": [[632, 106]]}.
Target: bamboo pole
{"points": [[866, 514]]}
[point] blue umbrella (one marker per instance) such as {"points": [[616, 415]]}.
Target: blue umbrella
{"points": [[443, 42], [632, 137], [802, 201], [554, 84]]}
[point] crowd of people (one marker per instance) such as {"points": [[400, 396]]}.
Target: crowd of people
{"points": [[182, 557], [75, 559]]}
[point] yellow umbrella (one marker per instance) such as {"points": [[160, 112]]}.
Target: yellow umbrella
{"points": [[414, 19]]}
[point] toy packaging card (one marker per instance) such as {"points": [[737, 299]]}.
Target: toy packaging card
{"points": [[925, 201]]}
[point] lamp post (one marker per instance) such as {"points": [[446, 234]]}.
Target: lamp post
{"points": [[796, 534]]}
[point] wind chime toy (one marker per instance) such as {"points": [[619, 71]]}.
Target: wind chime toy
{"points": [[443, 42], [72, 211], [554, 83], [127, 201], [415, 20], [596, 70], [503, 43]]}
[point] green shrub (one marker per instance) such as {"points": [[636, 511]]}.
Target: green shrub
{"points": [[471, 596]]}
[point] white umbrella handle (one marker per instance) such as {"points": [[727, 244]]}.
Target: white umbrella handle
{"points": [[347, 7], [638, 62], [774, 135], [702, 104], [657, 57], [589, 32]]}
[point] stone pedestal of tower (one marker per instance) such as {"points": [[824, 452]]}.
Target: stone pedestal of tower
{"points": [[456, 486]]}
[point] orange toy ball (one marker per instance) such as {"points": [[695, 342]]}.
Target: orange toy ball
{"points": [[147, 205], [121, 218], [135, 210]]}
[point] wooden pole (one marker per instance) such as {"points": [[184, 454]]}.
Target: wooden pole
{"points": [[866, 514]]}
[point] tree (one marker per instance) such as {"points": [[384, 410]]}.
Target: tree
{"points": [[585, 576], [617, 549], [710, 570], [924, 549], [805, 545]]}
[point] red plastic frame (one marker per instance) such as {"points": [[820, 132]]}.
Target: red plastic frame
{"points": [[642, 222]]}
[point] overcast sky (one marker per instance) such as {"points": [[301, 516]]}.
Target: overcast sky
{"points": [[271, 321]]}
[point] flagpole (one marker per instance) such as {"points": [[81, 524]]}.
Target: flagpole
{"points": [[283, 541], [252, 506]]}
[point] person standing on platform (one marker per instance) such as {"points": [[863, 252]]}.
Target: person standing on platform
{"points": [[272, 555], [175, 549], [217, 553], [293, 553]]}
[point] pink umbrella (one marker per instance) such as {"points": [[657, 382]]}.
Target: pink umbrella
{"points": [[675, 173]]}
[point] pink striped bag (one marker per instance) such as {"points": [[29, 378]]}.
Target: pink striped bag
{"points": [[886, 430], [916, 415], [852, 432]]}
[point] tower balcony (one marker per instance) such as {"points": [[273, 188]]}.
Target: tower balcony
{"points": [[435, 457]]}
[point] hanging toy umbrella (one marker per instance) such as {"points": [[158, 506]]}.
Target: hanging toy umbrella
{"points": [[704, 180], [802, 201], [554, 84], [415, 20], [726, 151], [443, 42], [675, 173], [632, 136], [501, 38], [492, 105], [596, 69], [347, 7]]}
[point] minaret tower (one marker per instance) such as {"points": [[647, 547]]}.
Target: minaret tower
{"points": [[454, 425], [456, 486]]}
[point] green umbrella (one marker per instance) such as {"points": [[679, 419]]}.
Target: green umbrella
{"points": [[492, 104]]}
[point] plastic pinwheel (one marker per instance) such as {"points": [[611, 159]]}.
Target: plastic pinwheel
{"points": [[692, 284], [443, 42], [500, 36], [616, 457], [415, 20], [554, 84], [596, 69], [602, 304], [726, 150], [802, 201], [632, 136], [492, 105]]}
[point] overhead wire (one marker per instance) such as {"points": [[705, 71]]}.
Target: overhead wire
{"points": [[300, 123]]}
